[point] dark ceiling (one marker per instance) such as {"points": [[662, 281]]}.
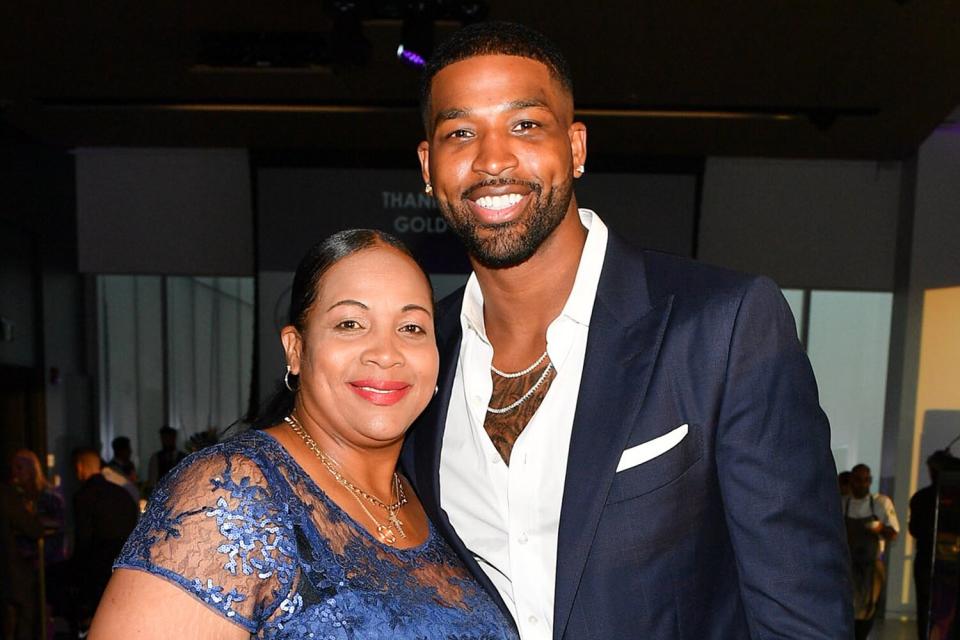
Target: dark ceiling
{"points": [[811, 78]]}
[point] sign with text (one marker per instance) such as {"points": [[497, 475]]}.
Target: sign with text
{"points": [[298, 207]]}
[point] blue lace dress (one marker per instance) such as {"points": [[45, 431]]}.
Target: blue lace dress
{"points": [[243, 528]]}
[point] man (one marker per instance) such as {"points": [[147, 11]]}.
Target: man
{"points": [[843, 482], [104, 516], [625, 444], [121, 470], [922, 526], [166, 459], [871, 522]]}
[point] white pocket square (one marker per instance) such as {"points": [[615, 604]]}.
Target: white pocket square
{"points": [[652, 448]]}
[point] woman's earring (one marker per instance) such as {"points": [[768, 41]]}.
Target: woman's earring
{"points": [[436, 389], [582, 169], [428, 189], [286, 380]]}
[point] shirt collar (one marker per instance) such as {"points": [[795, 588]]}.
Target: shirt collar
{"points": [[579, 304]]}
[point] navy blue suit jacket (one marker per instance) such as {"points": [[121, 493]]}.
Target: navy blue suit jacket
{"points": [[736, 532]]}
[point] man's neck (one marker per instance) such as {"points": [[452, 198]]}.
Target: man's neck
{"points": [[520, 302]]}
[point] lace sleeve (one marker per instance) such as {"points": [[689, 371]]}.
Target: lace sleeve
{"points": [[214, 528]]}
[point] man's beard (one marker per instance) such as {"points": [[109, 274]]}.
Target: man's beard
{"points": [[510, 243]]}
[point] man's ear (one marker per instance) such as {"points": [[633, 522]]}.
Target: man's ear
{"points": [[423, 151], [578, 146], [292, 346]]}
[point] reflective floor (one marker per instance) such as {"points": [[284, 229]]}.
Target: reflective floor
{"points": [[894, 630]]}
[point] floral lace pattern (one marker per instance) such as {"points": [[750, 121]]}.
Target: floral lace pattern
{"points": [[243, 528]]}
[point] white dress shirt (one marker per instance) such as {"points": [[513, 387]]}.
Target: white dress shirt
{"points": [[508, 516]]}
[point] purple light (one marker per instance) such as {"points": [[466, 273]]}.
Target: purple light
{"points": [[410, 57]]}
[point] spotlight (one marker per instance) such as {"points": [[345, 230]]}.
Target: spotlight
{"points": [[416, 36], [410, 57]]}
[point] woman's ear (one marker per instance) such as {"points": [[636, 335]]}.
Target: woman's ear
{"points": [[292, 347]]}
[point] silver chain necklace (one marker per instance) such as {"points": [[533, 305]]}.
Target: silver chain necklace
{"points": [[503, 374], [536, 385]]}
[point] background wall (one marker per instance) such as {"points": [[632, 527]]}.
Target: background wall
{"points": [[926, 378], [815, 224], [164, 211]]}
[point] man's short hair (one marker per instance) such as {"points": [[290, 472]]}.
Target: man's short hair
{"points": [[857, 467], [494, 38], [87, 455], [167, 430], [120, 442]]}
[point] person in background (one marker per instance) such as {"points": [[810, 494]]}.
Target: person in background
{"points": [[843, 482], [122, 461], [104, 516], [18, 577], [166, 459], [871, 523], [45, 501], [922, 526], [121, 470]]}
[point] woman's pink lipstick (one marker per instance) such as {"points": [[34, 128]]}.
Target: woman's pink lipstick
{"points": [[382, 393]]}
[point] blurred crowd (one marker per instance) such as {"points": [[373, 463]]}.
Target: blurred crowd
{"points": [[43, 560]]}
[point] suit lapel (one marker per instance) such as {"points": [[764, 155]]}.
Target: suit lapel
{"points": [[626, 332]]}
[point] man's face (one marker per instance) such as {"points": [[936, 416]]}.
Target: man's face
{"points": [[501, 154], [860, 481]]}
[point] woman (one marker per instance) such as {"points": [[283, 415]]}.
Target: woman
{"points": [[43, 505], [42, 499], [305, 529]]}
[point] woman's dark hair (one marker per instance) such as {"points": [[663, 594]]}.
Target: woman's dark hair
{"points": [[317, 261]]}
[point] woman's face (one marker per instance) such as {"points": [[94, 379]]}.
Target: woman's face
{"points": [[22, 471], [367, 358]]}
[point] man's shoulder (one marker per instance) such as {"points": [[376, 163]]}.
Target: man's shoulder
{"points": [[695, 287], [883, 499], [666, 272]]}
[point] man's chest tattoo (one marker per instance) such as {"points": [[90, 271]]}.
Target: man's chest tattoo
{"points": [[504, 428]]}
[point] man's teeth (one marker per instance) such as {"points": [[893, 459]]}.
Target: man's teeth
{"points": [[499, 202]]}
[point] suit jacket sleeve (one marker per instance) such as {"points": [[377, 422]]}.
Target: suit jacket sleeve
{"points": [[778, 480]]}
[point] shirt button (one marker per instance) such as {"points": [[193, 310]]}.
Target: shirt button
{"points": [[522, 538], [532, 619]]}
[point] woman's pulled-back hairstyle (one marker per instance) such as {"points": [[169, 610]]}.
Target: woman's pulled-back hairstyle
{"points": [[493, 38], [318, 260]]}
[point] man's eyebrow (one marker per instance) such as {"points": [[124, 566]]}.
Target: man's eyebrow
{"points": [[450, 114], [514, 105], [527, 103], [348, 302]]}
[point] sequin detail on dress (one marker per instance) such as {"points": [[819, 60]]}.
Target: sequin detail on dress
{"points": [[244, 529]]}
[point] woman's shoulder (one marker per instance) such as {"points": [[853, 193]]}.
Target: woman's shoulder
{"points": [[243, 466]]}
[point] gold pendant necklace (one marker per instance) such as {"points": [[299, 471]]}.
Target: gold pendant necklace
{"points": [[386, 533]]}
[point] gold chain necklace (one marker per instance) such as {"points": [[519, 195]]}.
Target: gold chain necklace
{"points": [[332, 466]]}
